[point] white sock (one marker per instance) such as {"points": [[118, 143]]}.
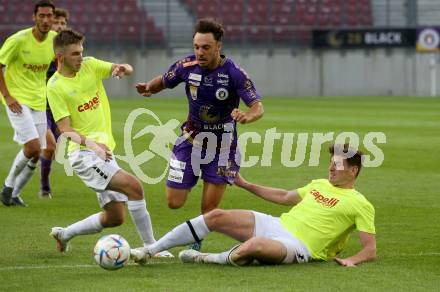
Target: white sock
{"points": [[141, 218], [217, 258], [223, 258], [89, 225], [24, 176], [181, 235], [20, 162]]}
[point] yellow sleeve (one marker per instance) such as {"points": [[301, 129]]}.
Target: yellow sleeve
{"points": [[57, 104], [101, 68], [364, 219], [9, 50], [304, 190]]}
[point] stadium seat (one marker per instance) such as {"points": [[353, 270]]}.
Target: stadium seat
{"points": [[240, 17], [102, 21], [249, 18]]}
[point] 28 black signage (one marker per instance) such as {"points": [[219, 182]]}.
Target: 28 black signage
{"points": [[364, 38]]}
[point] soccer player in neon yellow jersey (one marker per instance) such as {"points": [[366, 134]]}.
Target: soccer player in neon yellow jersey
{"points": [[81, 110], [317, 228], [26, 55]]}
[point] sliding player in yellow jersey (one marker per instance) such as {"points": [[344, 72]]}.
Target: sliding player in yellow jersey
{"points": [[26, 55], [317, 228]]}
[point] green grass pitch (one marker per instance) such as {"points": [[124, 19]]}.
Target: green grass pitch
{"points": [[404, 191]]}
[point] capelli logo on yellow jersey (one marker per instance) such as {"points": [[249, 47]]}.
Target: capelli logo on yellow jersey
{"points": [[36, 68], [329, 202], [90, 105]]}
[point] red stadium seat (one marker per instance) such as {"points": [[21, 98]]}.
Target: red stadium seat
{"points": [[257, 20]]}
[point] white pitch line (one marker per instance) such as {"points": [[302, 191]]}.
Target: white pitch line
{"points": [[39, 267], [15, 268], [45, 267], [421, 254]]}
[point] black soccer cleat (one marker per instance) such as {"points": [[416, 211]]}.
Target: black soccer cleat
{"points": [[6, 196], [45, 194], [17, 201]]}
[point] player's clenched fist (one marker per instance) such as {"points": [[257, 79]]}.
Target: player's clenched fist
{"points": [[144, 89], [239, 116]]}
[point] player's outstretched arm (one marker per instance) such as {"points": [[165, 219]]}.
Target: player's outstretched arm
{"points": [[100, 149], [254, 113], [153, 86], [275, 195], [11, 102], [367, 253], [120, 70]]}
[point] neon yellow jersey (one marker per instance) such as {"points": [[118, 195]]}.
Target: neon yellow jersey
{"points": [[84, 100], [326, 216], [27, 61]]}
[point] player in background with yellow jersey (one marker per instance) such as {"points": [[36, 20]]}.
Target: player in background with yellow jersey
{"points": [[26, 55], [317, 228], [81, 110]]}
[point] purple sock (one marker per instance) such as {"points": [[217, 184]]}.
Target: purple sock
{"points": [[45, 170]]}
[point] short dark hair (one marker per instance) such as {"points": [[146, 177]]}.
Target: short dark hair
{"points": [[354, 156], [209, 25], [43, 3], [60, 12], [67, 37]]}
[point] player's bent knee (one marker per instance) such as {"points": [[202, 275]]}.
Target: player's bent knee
{"points": [[253, 246], [138, 191], [113, 214], [32, 149], [117, 221], [175, 204], [113, 220], [214, 218], [176, 198], [242, 255], [133, 187]]}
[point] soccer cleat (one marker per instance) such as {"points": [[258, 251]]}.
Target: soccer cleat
{"points": [[140, 255], [62, 245], [45, 194], [6, 195], [163, 254], [195, 246], [17, 201], [191, 256]]}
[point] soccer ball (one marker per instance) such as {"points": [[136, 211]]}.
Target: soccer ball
{"points": [[112, 252]]}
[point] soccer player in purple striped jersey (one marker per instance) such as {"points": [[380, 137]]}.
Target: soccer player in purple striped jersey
{"points": [[214, 85]]}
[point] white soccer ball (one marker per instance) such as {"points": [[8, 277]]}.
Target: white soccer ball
{"points": [[112, 252]]}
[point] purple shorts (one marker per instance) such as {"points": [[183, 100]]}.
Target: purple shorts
{"points": [[188, 162], [51, 125]]}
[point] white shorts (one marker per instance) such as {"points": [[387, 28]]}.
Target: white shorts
{"points": [[28, 125], [270, 227], [96, 174]]}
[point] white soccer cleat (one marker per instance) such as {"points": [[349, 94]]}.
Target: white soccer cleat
{"points": [[62, 245], [140, 255], [163, 254], [192, 256]]}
